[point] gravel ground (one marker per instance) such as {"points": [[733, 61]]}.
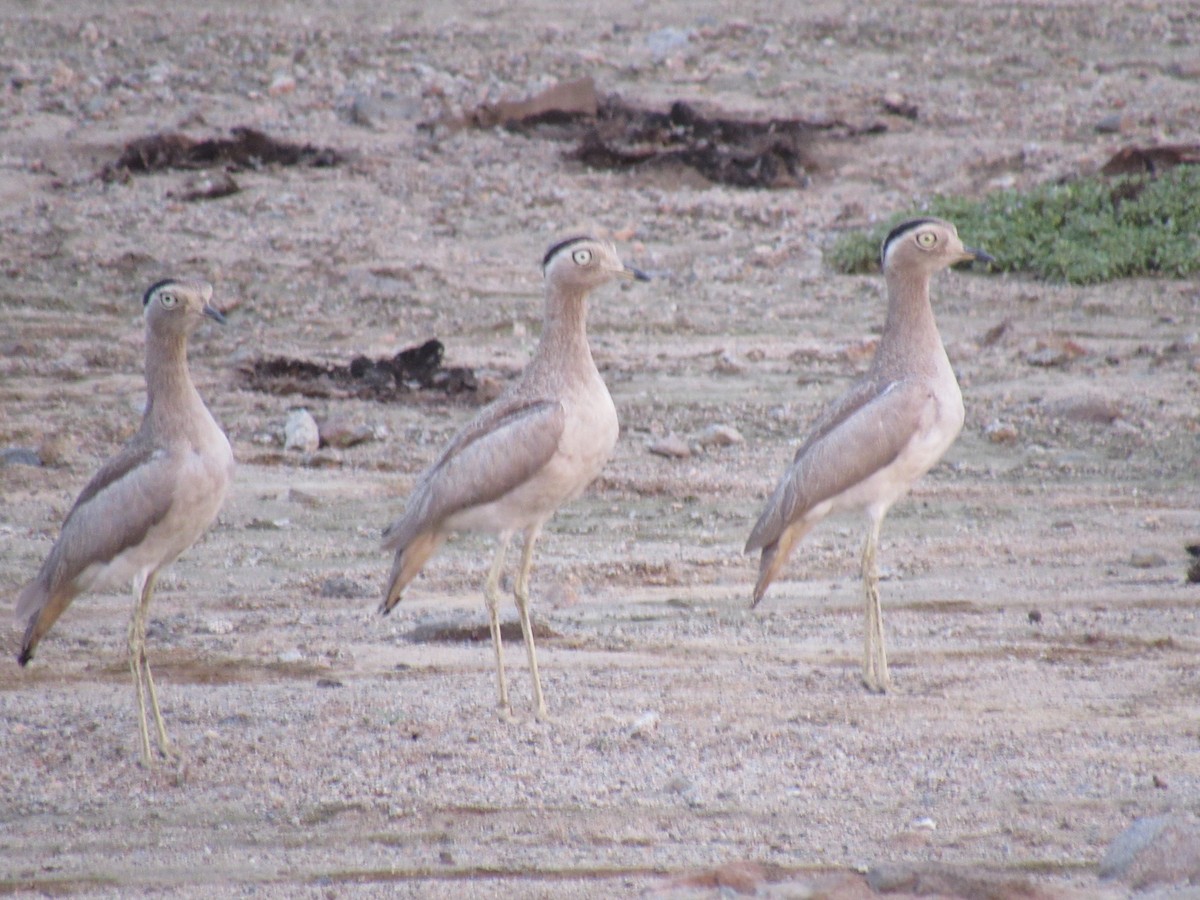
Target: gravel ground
{"points": [[1042, 631]]}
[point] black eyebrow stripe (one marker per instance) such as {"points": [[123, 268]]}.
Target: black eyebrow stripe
{"points": [[560, 245]]}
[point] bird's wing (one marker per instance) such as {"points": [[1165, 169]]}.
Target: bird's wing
{"points": [[863, 433], [131, 493], [490, 457]]}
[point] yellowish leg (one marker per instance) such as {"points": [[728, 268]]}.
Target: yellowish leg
{"points": [[137, 646], [875, 668], [492, 595], [521, 592]]}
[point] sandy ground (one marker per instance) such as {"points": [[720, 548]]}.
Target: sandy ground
{"points": [[1043, 636]]}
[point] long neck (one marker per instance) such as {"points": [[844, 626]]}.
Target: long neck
{"points": [[910, 337], [172, 397], [564, 332]]}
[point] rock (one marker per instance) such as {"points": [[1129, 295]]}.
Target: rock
{"points": [[1054, 353], [1088, 408], [663, 42], [1155, 850], [338, 587], [338, 431], [719, 436], [727, 365], [281, 83], [1001, 432], [300, 432], [218, 626], [19, 456], [644, 725], [1147, 559], [1116, 123], [672, 446]]}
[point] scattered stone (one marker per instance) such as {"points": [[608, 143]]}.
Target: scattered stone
{"points": [[290, 657], [218, 626], [338, 587], [304, 498], [207, 187], [727, 365], [1156, 850], [898, 105], [1090, 409], [719, 436], [1116, 123], [1147, 559], [665, 41], [258, 524], [281, 83], [300, 432], [644, 725], [1055, 353], [672, 446], [19, 456], [338, 431], [329, 683], [1001, 432], [1035, 617]]}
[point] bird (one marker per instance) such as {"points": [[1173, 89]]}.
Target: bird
{"points": [[535, 447], [872, 444], [148, 503]]}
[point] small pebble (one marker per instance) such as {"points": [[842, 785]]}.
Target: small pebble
{"points": [[300, 432], [672, 447], [719, 436], [1146, 559]]}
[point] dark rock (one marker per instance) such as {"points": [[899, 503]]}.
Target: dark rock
{"points": [[19, 456]]}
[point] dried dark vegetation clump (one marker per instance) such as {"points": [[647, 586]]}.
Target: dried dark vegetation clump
{"points": [[245, 149], [385, 379], [609, 133], [478, 633]]}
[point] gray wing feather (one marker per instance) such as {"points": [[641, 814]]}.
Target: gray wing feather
{"points": [[490, 457], [862, 434], [130, 494]]}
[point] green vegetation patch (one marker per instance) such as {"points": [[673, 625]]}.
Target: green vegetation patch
{"points": [[1084, 231]]}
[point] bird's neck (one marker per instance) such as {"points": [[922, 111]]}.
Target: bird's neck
{"points": [[171, 395], [910, 336], [564, 332]]}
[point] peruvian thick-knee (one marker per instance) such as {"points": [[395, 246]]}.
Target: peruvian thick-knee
{"points": [[147, 504], [869, 447], [534, 448]]}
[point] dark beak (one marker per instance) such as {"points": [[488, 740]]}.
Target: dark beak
{"points": [[213, 313], [979, 255], [635, 274]]}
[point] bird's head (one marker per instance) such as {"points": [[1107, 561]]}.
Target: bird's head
{"points": [[583, 263], [176, 305], [928, 245]]}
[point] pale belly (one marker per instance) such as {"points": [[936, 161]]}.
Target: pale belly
{"points": [[587, 442]]}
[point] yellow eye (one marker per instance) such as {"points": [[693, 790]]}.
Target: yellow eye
{"points": [[926, 239], [582, 257], [168, 300]]}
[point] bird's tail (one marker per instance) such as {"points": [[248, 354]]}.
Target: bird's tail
{"points": [[775, 555], [39, 609], [409, 561]]}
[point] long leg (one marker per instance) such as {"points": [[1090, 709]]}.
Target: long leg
{"points": [[492, 595], [521, 592], [875, 668]]}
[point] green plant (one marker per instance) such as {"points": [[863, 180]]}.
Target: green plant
{"points": [[1083, 231]]}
